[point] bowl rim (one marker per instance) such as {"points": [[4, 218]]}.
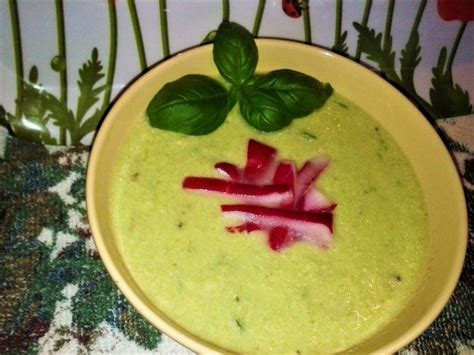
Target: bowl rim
{"points": [[408, 336]]}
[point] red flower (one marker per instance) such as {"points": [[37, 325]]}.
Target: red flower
{"points": [[462, 10]]}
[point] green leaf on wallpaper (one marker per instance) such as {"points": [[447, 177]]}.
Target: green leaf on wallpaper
{"points": [[33, 76], [38, 107], [89, 75], [340, 46], [32, 124], [89, 125], [410, 59], [24, 128], [370, 43], [3, 117], [448, 99], [59, 113]]}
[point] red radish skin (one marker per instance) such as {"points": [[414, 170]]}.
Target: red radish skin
{"points": [[244, 228], [261, 162], [315, 228], [307, 176], [300, 221], [269, 195], [286, 174], [281, 238], [228, 171]]}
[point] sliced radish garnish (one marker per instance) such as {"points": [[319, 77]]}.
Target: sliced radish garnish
{"points": [[261, 161], [281, 238], [280, 200], [229, 171], [274, 217], [286, 174], [315, 201], [307, 175], [313, 227], [244, 228], [269, 195]]}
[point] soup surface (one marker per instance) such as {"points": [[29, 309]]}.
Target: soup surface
{"points": [[232, 289]]}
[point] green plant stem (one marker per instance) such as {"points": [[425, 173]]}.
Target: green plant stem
{"points": [[225, 10], [258, 17], [112, 55], [449, 65], [388, 24], [16, 32], [138, 34], [365, 21], [306, 21], [62, 54], [338, 30], [418, 17], [164, 29]]}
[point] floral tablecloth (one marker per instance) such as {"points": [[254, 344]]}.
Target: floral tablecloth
{"points": [[56, 295]]}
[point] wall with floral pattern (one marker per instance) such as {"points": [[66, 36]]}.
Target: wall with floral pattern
{"points": [[63, 62]]}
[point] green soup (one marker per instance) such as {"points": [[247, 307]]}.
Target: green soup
{"points": [[232, 289]]}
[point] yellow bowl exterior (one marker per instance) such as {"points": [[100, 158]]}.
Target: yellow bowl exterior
{"points": [[431, 161]]}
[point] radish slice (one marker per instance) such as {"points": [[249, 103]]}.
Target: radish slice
{"points": [[229, 171], [286, 174], [244, 228], [307, 175], [269, 195], [261, 161], [312, 227], [315, 201], [281, 238]]}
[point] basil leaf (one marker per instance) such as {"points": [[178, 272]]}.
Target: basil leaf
{"points": [[235, 53], [193, 105], [262, 109], [301, 94]]}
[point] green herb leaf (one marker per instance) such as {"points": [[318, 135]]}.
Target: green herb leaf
{"points": [[299, 93], [197, 104], [263, 109], [193, 104], [235, 53]]}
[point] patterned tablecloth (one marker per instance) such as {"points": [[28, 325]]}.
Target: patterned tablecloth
{"points": [[56, 296]]}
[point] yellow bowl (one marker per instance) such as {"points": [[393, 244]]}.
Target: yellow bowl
{"points": [[435, 170]]}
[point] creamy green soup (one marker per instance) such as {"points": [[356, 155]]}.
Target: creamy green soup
{"points": [[232, 289]]}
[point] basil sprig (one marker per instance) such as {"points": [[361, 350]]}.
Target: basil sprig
{"points": [[198, 104]]}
